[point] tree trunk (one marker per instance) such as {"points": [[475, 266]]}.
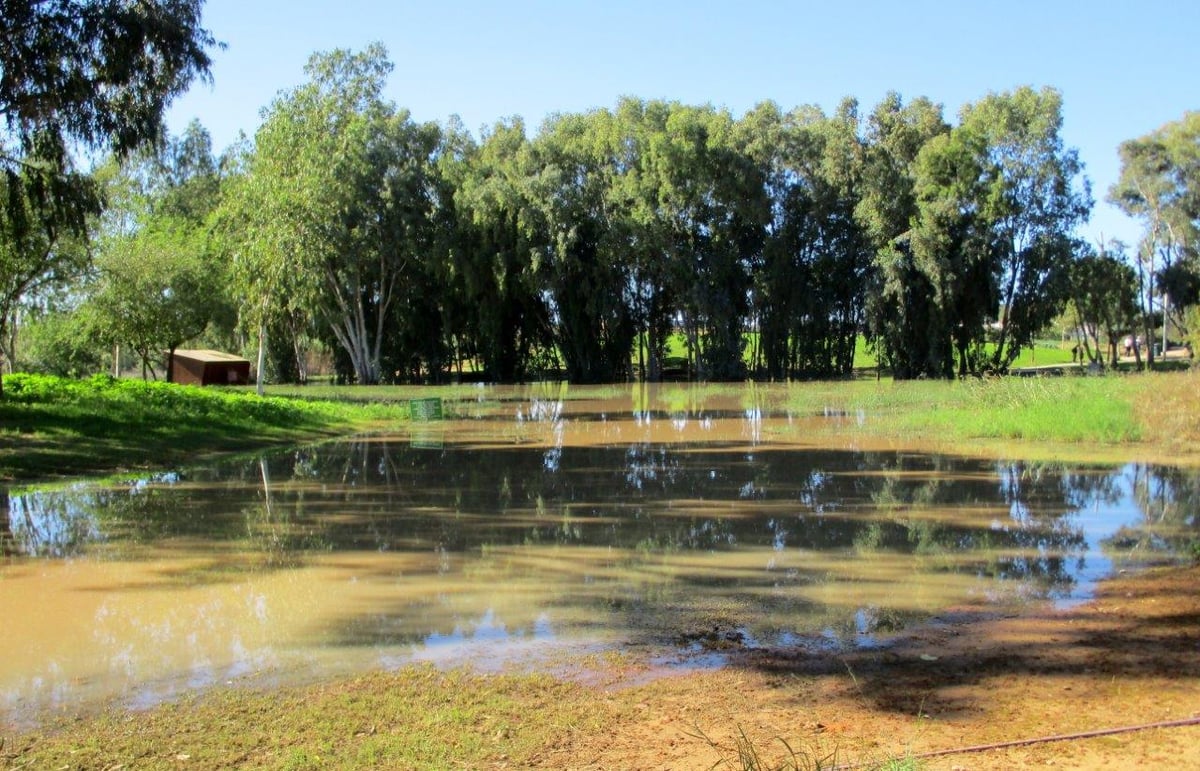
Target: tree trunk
{"points": [[3, 331], [262, 357]]}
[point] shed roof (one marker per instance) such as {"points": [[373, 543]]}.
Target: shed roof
{"points": [[206, 355]]}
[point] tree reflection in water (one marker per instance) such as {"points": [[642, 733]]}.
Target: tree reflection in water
{"points": [[409, 549], [1019, 518]]}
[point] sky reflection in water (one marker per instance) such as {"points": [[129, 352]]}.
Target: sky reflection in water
{"points": [[531, 527]]}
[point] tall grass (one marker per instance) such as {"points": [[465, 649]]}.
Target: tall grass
{"points": [[1167, 406], [1043, 409]]}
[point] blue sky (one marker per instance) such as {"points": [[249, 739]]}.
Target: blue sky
{"points": [[1124, 68]]}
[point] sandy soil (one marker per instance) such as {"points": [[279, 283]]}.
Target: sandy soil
{"points": [[1130, 657]]}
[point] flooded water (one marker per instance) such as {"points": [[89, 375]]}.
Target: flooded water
{"points": [[534, 524]]}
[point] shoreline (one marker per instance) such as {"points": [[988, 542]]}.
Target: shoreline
{"points": [[972, 677]]}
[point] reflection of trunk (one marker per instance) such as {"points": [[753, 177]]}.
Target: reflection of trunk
{"points": [[8, 545], [266, 482]]}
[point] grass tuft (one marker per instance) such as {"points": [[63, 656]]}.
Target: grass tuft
{"points": [[746, 755]]}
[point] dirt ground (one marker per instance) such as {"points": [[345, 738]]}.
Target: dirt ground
{"points": [[1130, 657]]}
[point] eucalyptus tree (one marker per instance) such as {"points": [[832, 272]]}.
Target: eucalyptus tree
{"points": [[87, 74], [714, 206], [249, 233], [494, 262], [949, 242], [586, 279], [1104, 299], [335, 211], [1160, 186], [846, 265], [762, 131], [405, 260], [639, 177], [1035, 197], [811, 280], [785, 277], [901, 316], [997, 202]]}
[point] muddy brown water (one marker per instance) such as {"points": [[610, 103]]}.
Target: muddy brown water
{"points": [[534, 524]]}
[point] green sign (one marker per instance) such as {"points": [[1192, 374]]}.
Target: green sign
{"points": [[425, 409]]}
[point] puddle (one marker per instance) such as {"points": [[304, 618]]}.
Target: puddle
{"points": [[526, 528]]}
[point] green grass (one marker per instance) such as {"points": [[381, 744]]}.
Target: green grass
{"points": [[1074, 409], [416, 718], [1071, 410], [1042, 353], [52, 426]]}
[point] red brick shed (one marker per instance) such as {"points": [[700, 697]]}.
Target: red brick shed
{"points": [[204, 367]]}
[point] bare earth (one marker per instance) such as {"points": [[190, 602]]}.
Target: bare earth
{"points": [[1130, 657]]}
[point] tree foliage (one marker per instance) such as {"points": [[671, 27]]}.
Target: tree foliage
{"points": [[79, 73], [902, 320], [160, 281], [335, 213], [1104, 298], [1160, 186], [769, 244]]}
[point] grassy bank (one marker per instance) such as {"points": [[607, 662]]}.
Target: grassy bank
{"points": [[53, 427], [1119, 417], [416, 718]]}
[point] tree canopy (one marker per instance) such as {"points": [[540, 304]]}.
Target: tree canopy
{"points": [[1160, 186], [79, 75], [652, 239]]}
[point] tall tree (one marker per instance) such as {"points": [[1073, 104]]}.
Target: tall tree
{"points": [[1035, 198], [585, 278], [501, 234], [818, 256], [1160, 186], [337, 202], [639, 179], [87, 73], [901, 315], [998, 201], [713, 202], [1104, 297], [949, 242]]}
